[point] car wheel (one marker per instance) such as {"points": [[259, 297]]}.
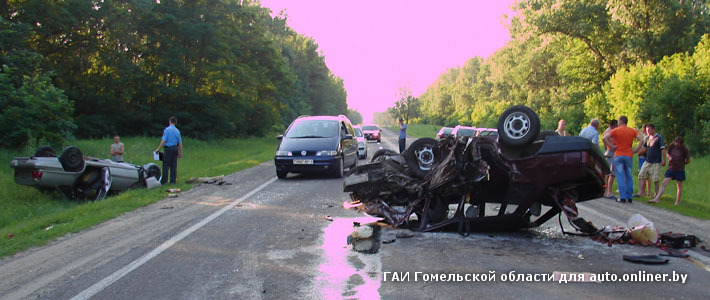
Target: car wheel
{"points": [[95, 190], [421, 156], [382, 154], [379, 140], [339, 170], [72, 159], [281, 174], [154, 171], [45, 151], [518, 126]]}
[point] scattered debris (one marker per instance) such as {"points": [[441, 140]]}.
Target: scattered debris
{"points": [[151, 183], [362, 232], [173, 195], [174, 190], [642, 230], [209, 180], [678, 240], [404, 235], [646, 259], [49, 227], [166, 207], [704, 248], [329, 218], [675, 253], [10, 235], [388, 241], [580, 256]]}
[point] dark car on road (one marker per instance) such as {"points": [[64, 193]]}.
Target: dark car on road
{"points": [[317, 144], [519, 178]]}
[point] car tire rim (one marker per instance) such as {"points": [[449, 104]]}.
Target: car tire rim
{"points": [[425, 157], [516, 125], [107, 180]]}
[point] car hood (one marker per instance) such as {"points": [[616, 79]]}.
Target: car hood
{"points": [[309, 144]]}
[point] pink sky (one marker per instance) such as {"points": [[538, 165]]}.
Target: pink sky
{"points": [[379, 46]]}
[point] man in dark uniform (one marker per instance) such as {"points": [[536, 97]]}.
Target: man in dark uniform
{"points": [[173, 150]]}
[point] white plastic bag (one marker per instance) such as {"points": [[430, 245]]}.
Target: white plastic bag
{"points": [[642, 230]]}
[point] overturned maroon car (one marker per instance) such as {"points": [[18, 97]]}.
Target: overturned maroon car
{"points": [[521, 178]]}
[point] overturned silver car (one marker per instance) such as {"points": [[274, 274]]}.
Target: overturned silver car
{"points": [[79, 177], [520, 178]]}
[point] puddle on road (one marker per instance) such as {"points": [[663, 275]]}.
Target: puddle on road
{"points": [[345, 273]]}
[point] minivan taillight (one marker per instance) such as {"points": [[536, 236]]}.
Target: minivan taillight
{"points": [[37, 175]]}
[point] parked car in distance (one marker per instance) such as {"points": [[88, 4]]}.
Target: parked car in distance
{"points": [[361, 142], [460, 131], [317, 144], [79, 177], [486, 131], [444, 132], [372, 132]]}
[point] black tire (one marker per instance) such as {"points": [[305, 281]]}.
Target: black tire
{"points": [[382, 153], [339, 170], [154, 171], [72, 159], [281, 174], [95, 190], [421, 156], [379, 140], [45, 151], [518, 126]]}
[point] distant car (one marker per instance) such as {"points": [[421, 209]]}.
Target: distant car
{"points": [[77, 176], [444, 132], [372, 132], [486, 131], [361, 142], [320, 144], [460, 131]]}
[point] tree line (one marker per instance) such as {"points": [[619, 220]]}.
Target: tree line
{"points": [[90, 68], [583, 59]]}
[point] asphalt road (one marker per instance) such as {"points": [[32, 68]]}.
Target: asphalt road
{"points": [[262, 238]]}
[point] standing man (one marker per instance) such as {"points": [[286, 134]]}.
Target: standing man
{"points": [[623, 155], [173, 150], [117, 149], [609, 154], [591, 132], [655, 158], [678, 156], [402, 135]]}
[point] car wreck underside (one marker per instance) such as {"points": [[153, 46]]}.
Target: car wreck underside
{"points": [[477, 184]]}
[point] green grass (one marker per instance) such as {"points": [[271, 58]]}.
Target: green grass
{"points": [[34, 218], [419, 130]]}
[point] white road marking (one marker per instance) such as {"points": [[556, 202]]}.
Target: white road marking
{"points": [[104, 283]]}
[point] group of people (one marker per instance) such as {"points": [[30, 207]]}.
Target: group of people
{"points": [[652, 152], [171, 142]]}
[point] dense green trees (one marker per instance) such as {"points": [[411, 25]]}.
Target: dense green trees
{"points": [[589, 58], [223, 67]]}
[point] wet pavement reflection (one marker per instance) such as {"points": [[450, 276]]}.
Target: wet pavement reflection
{"points": [[345, 272]]}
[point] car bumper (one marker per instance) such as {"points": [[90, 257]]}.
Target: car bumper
{"points": [[320, 164]]}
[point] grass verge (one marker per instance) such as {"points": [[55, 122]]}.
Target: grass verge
{"points": [[31, 218]]}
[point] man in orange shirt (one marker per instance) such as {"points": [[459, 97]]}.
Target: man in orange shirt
{"points": [[623, 155]]}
